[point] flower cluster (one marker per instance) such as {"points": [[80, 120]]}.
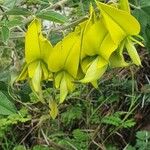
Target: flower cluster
{"points": [[84, 54]]}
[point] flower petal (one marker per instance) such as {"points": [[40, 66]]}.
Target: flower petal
{"points": [[53, 109], [132, 52], [63, 89], [45, 48], [117, 58], [24, 73], [65, 55], [95, 70], [32, 48], [37, 77], [118, 22]]}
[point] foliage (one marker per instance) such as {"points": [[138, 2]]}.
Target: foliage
{"points": [[79, 140], [142, 141], [116, 120], [143, 9], [6, 107], [72, 114], [13, 119]]}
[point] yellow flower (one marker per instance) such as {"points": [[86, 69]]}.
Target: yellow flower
{"points": [[128, 43], [104, 39], [97, 47], [37, 50], [64, 63]]}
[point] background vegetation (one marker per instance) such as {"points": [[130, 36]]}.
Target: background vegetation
{"points": [[114, 116]]}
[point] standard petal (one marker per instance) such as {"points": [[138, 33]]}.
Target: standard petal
{"points": [[65, 55], [93, 38], [107, 47], [45, 48], [32, 48], [118, 22], [72, 61], [97, 41]]}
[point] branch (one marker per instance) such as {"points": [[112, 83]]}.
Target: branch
{"points": [[60, 3], [73, 24]]}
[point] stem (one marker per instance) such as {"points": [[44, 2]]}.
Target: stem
{"points": [[135, 7], [56, 5], [71, 24]]}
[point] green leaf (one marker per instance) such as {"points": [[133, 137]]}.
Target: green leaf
{"points": [[5, 33], [18, 11], [146, 35], [19, 147], [3, 86], [80, 135], [143, 135], [145, 6], [112, 120], [40, 147], [73, 113], [143, 16], [52, 16], [129, 123], [14, 23], [6, 107], [11, 3]]}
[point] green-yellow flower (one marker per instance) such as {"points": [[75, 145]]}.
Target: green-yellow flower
{"points": [[64, 63], [97, 47], [128, 43], [37, 50], [104, 39]]}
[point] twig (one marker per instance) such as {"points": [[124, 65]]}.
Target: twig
{"points": [[15, 35], [51, 143], [99, 145], [73, 24], [24, 138], [133, 6], [60, 3]]}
